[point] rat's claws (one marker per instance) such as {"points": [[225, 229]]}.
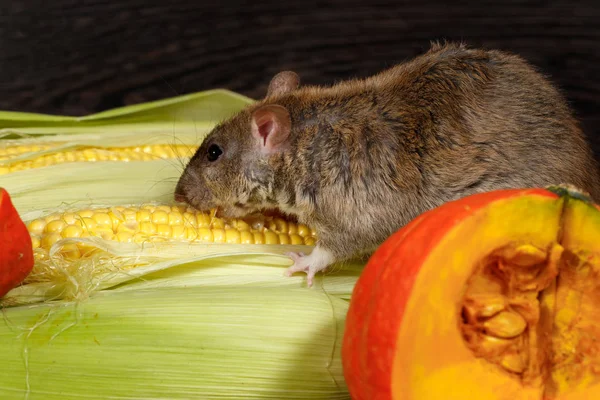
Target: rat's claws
{"points": [[317, 261]]}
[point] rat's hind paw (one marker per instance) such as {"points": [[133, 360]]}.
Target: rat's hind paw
{"points": [[317, 261]]}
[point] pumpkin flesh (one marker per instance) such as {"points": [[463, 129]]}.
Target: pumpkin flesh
{"points": [[488, 297]]}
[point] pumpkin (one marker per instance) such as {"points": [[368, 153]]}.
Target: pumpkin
{"points": [[16, 251], [493, 296]]}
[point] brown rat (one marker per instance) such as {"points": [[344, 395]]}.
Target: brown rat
{"points": [[360, 159]]}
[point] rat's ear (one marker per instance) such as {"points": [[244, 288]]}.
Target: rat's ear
{"points": [[271, 126], [283, 82]]}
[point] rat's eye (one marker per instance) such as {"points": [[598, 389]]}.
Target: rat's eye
{"points": [[213, 153]]}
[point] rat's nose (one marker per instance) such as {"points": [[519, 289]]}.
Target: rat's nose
{"points": [[180, 193], [179, 198]]}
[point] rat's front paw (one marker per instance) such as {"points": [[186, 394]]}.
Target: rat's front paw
{"points": [[300, 264], [317, 261]]}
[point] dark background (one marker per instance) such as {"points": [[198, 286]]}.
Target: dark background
{"points": [[77, 57]]}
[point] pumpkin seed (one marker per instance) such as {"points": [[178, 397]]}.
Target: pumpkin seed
{"points": [[493, 346], [486, 304], [506, 325], [525, 255], [513, 362]]}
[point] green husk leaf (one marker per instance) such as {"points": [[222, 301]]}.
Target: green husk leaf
{"points": [[236, 342], [61, 187], [190, 110]]}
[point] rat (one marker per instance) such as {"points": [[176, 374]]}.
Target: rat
{"points": [[359, 159]]}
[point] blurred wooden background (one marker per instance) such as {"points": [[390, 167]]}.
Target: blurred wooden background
{"points": [[76, 57]]}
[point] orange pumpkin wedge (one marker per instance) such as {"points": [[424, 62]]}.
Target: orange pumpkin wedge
{"points": [[494, 296], [16, 251]]}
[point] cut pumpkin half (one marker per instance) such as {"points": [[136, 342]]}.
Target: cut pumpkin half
{"points": [[494, 296]]}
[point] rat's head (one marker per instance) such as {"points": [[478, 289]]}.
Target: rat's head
{"points": [[233, 169]]}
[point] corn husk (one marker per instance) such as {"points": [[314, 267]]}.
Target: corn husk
{"points": [[236, 342], [160, 320]]}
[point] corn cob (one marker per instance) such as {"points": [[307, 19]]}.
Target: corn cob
{"points": [[10, 151], [150, 222]]}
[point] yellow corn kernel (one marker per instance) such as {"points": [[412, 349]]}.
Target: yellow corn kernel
{"points": [[242, 225], [147, 227], [72, 231], [178, 231], [124, 237], [160, 217], [205, 235], [271, 237], [203, 220], [48, 240], [259, 237], [56, 225], [69, 218], [190, 220], [278, 225], [191, 233], [218, 235], [163, 230], [217, 223], [296, 239], [164, 208], [86, 213], [129, 215], [86, 223], [303, 230], [309, 241], [36, 226], [143, 215], [129, 227], [116, 218], [102, 219], [149, 207], [89, 154], [104, 233], [35, 241], [175, 218], [283, 238], [246, 237], [232, 236], [292, 229]]}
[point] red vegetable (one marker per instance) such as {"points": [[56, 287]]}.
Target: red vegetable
{"points": [[16, 252]]}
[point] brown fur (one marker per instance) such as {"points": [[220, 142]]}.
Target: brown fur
{"points": [[366, 156]]}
